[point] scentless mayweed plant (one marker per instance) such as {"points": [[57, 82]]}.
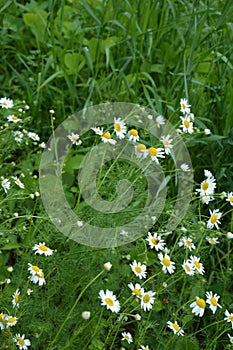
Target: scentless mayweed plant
{"points": [[171, 288], [167, 290]]}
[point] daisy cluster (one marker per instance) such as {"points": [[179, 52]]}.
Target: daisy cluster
{"points": [[146, 298], [37, 277], [206, 191], [16, 118], [121, 132]]}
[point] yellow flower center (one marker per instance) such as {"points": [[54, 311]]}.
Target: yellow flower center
{"points": [[16, 298], [43, 247], [138, 269], [166, 143], [201, 303], [212, 241], [117, 127], [183, 106], [109, 301], [146, 298], [141, 147], [197, 264], [175, 326], [107, 135], [214, 301], [187, 268], [186, 123], [35, 268], [11, 320], [213, 218], [188, 243], [230, 317], [14, 117], [205, 186], [231, 199], [133, 132], [166, 261], [137, 291], [2, 317], [154, 240], [153, 151], [21, 341]]}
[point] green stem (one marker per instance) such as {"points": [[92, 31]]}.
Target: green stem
{"points": [[73, 307]]}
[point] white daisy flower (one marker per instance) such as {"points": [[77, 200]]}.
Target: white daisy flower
{"points": [[13, 118], [207, 131], [41, 249], [167, 143], [160, 121], [155, 241], [138, 317], [18, 136], [168, 265], [38, 278], [119, 128], [229, 317], [86, 315], [109, 300], [147, 300], [215, 215], [6, 185], [15, 296], [185, 168], [175, 328], [188, 268], [75, 139], [11, 321], [106, 138], [133, 135], [230, 338], [184, 106], [6, 103], [156, 153], [33, 136], [22, 342], [2, 320], [37, 275], [127, 336], [136, 289], [98, 131], [186, 124], [212, 300], [18, 182], [206, 199], [187, 243], [140, 151], [107, 266], [139, 269], [198, 266], [198, 307], [208, 185], [230, 198], [212, 240]]}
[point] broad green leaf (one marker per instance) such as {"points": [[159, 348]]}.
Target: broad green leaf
{"points": [[73, 62], [37, 22]]}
